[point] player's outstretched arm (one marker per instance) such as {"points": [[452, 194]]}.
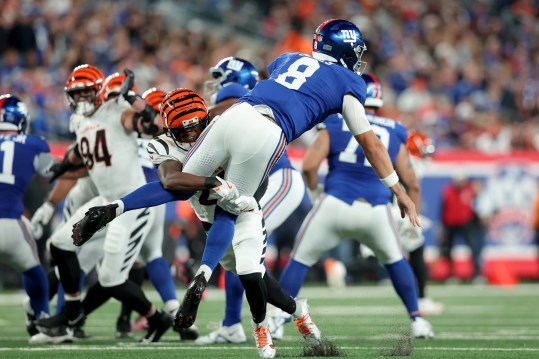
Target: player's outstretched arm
{"points": [[376, 153], [406, 173]]}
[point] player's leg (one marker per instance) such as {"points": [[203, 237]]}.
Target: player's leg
{"points": [[124, 239], [64, 255], [18, 249], [380, 234], [318, 234], [283, 196]]}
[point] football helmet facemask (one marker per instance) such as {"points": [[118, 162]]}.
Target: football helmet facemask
{"points": [[340, 41], [184, 115], [228, 70], [13, 114], [82, 89]]}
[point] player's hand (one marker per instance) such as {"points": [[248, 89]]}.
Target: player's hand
{"points": [[226, 191], [95, 219], [239, 205], [127, 87], [406, 205], [314, 194], [41, 218], [411, 236]]}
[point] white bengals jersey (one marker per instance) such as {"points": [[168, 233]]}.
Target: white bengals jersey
{"points": [[109, 151], [163, 148]]}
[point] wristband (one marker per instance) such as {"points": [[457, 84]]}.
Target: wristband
{"points": [[120, 208], [211, 182], [390, 180]]}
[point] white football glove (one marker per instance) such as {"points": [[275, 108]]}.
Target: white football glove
{"points": [[41, 218], [227, 191], [314, 194], [411, 236], [239, 205]]}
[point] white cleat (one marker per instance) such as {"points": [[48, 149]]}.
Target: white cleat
{"points": [[306, 325], [42, 338], [264, 343], [422, 329], [429, 307], [232, 334], [276, 321]]}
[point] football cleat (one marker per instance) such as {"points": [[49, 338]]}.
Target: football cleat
{"points": [[427, 306], [62, 337], [190, 333], [70, 316], [264, 343], [422, 329], [158, 324], [95, 219], [306, 325], [232, 334], [30, 317], [187, 314]]}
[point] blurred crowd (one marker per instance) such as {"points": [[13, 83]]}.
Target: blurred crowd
{"points": [[464, 72]]}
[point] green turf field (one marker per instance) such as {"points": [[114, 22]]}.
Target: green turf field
{"points": [[365, 322]]}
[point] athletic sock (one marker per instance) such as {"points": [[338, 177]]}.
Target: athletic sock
{"points": [[277, 296], [60, 297], [53, 281], [132, 295], [403, 281], [68, 268], [417, 262], [96, 297], [234, 299], [159, 274], [219, 239], [35, 283], [136, 275], [256, 293], [293, 276]]}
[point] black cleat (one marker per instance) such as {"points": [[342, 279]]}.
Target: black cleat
{"points": [[95, 219], [188, 333], [123, 327], [80, 334], [70, 316], [158, 324], [187, 314]]}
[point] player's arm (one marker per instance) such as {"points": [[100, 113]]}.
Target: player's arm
{"points": [[376, 153], [140, 117], [72, 166], [316, 153], [407, 176]]}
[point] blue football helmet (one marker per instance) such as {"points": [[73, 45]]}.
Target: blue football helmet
{"points": [[340, 41], [374, 91], [231, 70], [13, 114]]}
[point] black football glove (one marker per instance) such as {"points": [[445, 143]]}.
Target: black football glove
{"points": [[95, 219], [127, 87]]}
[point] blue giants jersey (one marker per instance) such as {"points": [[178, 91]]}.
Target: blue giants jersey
{"points": [[19, 156], [303, 92], [350, 175]]}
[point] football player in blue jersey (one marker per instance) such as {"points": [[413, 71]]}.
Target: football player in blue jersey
{"points": [[250, 137], [21, 156], [355, 204], [286, 189]]}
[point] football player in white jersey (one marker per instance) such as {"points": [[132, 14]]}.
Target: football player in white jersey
{"points": [[420, 148], [184, 116], [356, 205], [107, 146]]}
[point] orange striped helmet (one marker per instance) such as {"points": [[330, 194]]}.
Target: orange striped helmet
{"points": [[82, 89], [112, 86], [419, 145], [184, 115], [154, 97]]}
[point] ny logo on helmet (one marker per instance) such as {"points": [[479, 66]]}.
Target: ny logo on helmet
{"points": [[349, 36], [234, 65]]}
